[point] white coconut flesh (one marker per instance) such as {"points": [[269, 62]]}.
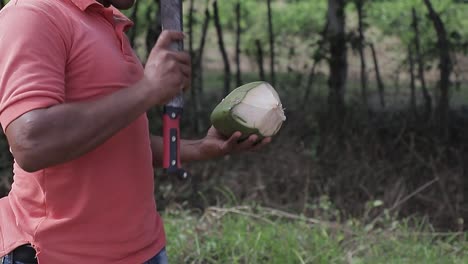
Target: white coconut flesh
{"points": [[261, 109]]}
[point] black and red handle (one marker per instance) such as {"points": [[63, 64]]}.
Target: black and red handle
{"points": [[171, 19], [171, 138]]}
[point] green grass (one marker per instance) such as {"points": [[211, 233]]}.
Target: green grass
{"points": [[253, 236]]}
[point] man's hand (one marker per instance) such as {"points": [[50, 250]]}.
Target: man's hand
{"points": [[167, 72], [215, 145]]}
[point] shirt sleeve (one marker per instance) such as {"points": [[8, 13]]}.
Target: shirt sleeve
{"points": [[33, 60]]}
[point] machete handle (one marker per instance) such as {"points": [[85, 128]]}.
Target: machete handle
{"points": [[171, 138], [171, 19]]}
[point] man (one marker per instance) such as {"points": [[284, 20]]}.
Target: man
{"points": [[73, 103]]}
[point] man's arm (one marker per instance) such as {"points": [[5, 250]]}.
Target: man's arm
{"points": [[189, 150], [46, 137], [213, 145]]}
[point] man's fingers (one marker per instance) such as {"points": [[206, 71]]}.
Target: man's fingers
{"points": [[167, 37], [186, 84], [181, 56], [231, 142], [248, 143], [252, 143], [186, 70], [261, 144]]}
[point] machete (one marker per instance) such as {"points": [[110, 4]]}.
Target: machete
{"points": [[171, 19]]}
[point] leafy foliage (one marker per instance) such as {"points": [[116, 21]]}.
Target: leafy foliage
{"points": [[393, 17], [299, 22]]}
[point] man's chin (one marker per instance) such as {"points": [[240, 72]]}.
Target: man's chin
{"points": [[106, 3], [123, 6]]}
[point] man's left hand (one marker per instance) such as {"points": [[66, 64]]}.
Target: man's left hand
{"points": [[212, 146], [215, 145]]}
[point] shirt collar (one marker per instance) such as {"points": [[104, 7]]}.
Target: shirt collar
{"points": [[84, 4], [118, 16]]}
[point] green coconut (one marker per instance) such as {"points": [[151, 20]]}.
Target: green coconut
{"points": [[254, 108]]}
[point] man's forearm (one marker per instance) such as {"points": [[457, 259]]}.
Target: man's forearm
{"points": [[66, 131], [213, 145], [189, 150]]}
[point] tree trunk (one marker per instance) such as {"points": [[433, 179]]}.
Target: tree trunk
{"points": [[238, 36], [291, 53], [190, 29], [338, 63], [445, 70], [310, 81], [201, 49], [227, 68], [260, 60], [318, 56], [272, 45], [134, 18], [420, 60], [194, 91], [412, 81], [154, 29], [378, 77], [396, 81], [359, 6]]}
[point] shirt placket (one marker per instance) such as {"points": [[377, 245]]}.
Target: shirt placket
{"points": [[118, 25]]}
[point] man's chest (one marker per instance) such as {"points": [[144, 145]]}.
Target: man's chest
{"points": [[100, 59]]}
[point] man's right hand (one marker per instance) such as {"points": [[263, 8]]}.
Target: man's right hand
{"points": [[167, 72]]}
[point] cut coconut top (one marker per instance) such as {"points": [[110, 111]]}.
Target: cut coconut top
{"points": [[261, 109]]}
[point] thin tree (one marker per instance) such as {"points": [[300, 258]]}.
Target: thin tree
{"points": [[201, 49], [443, 45], [154, 28], [238, 37], [260, 59], [310, 82], [134, 17], [412, 80], [318, 57], [190, 29], [338, 62], [378, 77], [272, 45], [360, 10], [227, 67], [194, 91], [420, 61]]}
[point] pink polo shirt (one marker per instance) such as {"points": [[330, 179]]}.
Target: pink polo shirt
{"points": [[98, 208]]}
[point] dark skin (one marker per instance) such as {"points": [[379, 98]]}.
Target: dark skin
{"points": [[119, 4], [46, 137]]}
